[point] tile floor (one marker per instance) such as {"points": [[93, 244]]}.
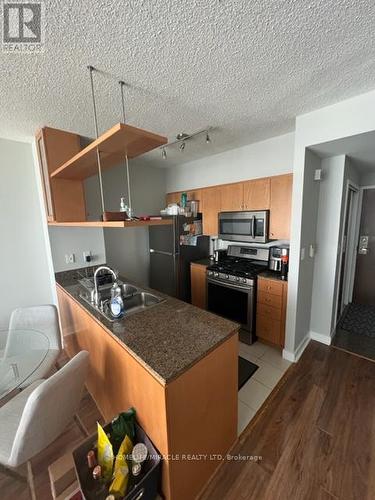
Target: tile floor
{"points": [[252, 395]]}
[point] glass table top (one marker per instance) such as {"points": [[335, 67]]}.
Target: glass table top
{"points": [[22, 351]]}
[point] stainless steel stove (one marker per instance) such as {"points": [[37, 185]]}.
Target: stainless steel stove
{"points": [[231, 286]]}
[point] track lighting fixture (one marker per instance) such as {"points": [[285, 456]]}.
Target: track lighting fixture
{"points": [[182, 138]]}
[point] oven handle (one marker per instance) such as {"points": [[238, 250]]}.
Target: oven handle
{"points": [[229, 285]]}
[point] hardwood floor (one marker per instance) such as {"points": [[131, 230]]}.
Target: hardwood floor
{"points": [[316, 435]]}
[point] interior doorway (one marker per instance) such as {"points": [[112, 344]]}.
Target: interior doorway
{"points": [[348, 248], [364, 283], [355, 331]]}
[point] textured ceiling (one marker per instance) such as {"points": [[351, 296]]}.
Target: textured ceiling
{"points": [[245, 67]]}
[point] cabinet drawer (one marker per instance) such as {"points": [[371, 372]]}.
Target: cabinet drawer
{"points": [[268, 329], [270, 299], [270, 286], [269, 311]]}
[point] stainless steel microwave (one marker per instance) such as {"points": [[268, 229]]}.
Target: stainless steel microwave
{"points": [[244, 226]]}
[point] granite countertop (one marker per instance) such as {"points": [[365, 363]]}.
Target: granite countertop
{"points": [[271, 275], [203, 262], [167, 338]]}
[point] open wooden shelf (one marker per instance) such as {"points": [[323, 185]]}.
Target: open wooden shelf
{"points": [[136, 223], [113, 145]]}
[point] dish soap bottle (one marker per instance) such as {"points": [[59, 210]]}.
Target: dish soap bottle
{"points": [[116, 304], [123, 206]]}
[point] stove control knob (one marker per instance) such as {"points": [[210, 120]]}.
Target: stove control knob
{"points": [[216, 275], [243, 280], [227, 276], [237, 279]]}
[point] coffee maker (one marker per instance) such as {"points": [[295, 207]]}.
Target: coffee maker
{"points": [[279, 259]]}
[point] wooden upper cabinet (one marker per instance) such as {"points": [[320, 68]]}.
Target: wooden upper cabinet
{"points": [[173, 198], [194, 194], [231, 196], [64, 198], [281, 206], [257, 194], [210, 207]]}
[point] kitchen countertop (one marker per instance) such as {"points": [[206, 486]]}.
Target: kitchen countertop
{"points": [[203, 262], [167, 338], [271, 275]]}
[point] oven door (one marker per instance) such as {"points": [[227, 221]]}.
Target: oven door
{"points": [[244, 226], [232, 301]]}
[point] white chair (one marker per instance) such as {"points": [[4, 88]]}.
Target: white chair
{"points": [[38, 415], [43, 319]]}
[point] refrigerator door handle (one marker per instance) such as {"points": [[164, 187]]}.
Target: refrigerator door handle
{"points": [[161, 253]]}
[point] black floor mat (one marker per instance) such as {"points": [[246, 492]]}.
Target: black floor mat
{"points": [[245, 370], [359, 319]]}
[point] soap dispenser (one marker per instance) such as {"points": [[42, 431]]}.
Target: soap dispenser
{"points": [[117, 304]]}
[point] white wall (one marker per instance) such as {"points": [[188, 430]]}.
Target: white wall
{"points": [[350, 117], [367, 179], [128, 249], [301, 296], [24, 255], [327, 246], [76, 240], [261, 159]]}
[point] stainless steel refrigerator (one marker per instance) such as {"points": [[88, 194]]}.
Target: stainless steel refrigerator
{"points": [[170, 261]]}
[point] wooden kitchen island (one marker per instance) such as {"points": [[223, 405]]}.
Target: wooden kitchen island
{"points": [[176, 365]]}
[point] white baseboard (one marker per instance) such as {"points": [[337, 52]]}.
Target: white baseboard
{"points": [[324, 339], [294, 356]]}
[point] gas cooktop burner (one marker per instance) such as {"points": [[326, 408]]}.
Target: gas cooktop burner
{"points": [[237, 267], [236, 270]]}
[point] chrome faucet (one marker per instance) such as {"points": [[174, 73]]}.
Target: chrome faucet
{"points": [[95, 296]]}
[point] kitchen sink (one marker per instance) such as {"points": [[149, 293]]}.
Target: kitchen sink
{"points": [[135, 301]]}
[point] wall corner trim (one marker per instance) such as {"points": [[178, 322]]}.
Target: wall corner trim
{"points": [[294, 356], [319, 337]]}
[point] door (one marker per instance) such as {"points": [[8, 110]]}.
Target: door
{"points": [[347, 249], [163, 238], [173, 198], [364, 283], [256, 194], [211, 202], [231, 197], [281, 206], [40, 145], [232, 302], [163, 273]]}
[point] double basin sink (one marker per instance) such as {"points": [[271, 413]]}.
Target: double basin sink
{"points": [[135, 300]]}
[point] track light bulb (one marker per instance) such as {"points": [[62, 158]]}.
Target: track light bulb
{"points": [[182, 146], [164, 154]]}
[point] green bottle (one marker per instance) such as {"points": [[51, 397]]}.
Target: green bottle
{"points": [[183, 200]]}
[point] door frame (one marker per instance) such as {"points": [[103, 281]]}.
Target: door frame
{"points": [[350, 248], [356, 240]]}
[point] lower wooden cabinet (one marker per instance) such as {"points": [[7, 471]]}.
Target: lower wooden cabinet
{"points": [[198, 285], [271, 310]]}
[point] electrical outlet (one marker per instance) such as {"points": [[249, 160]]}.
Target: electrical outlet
{"points": [[87, 257], [70, 258]]}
